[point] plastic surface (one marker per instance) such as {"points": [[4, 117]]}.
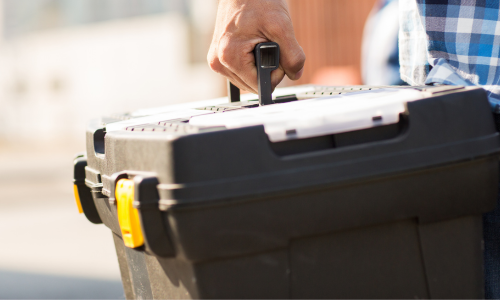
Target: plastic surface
{"points": [[146, 201], [217, 101], [317, 117], [83, 194], [128, 216], [267, 59], [233, 92], [382, 210]]}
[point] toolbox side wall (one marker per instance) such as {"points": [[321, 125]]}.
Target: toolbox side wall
{"points": [[261, 223], [135, 152]]}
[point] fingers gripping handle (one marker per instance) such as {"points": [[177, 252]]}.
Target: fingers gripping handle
{"points": [[267, 59]]}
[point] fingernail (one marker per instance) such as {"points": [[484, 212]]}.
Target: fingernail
{"points": [[299, 74]]}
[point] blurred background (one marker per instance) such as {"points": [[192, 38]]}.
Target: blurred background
{"points": [[63, 62]]}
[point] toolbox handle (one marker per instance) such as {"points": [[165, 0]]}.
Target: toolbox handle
{"points": [[233, 92], [99, 141], [267, 59]]}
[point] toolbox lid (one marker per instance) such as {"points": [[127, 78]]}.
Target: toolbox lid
{"points": [[188, 110], [320, 116], [217, 101], [176, 114]]}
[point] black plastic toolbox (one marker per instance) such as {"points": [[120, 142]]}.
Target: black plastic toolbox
{"points": [[389, 210]]}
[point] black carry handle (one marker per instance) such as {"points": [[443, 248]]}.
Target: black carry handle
{"points": [[267, 59], [233, 92]]}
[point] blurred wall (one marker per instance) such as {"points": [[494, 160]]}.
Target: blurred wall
{"points": [[330, 32], [60, 67], [63, 62]]}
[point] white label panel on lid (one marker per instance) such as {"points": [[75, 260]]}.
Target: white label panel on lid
{"points": [[321, 116]]}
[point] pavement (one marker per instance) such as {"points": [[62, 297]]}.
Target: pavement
{"points": [[48, 250]]}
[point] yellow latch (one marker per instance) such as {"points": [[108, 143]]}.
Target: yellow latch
{"points": [[128, 216], [77, 198]]}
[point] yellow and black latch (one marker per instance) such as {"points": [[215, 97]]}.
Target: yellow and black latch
{"points": [[128, 216], [77, 198], [83, 193]]}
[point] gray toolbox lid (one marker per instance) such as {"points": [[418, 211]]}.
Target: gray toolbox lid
{"points": [[211, 160], [282, 131]]}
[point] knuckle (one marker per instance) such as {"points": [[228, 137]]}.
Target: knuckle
{"points": [[227, 51], [214, 63], [276, 29], [226, 56], [212, 60], [279, 27]]}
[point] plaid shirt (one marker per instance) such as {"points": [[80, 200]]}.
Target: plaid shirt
{"points": [[451, 42]]}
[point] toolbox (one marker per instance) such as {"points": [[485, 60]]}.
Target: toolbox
{"points": [[311, 192]]}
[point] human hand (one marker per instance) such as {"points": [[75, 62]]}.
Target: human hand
{"points": [[242, 24]]}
